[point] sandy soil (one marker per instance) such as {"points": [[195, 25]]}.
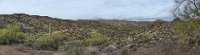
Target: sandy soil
{"points": [[10, 50]]}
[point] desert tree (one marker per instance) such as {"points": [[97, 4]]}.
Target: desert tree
{"points": [[186, 9]]}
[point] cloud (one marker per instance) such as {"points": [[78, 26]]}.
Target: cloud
{"points": [[80, 9]]}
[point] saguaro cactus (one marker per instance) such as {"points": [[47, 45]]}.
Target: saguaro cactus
{"points": [[50, 28]]}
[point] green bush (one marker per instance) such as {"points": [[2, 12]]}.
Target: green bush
{"points": [[123, 40], [11, 34], [189, 30], [73, 48], [144, 38], [97, 40], [49, 41]]}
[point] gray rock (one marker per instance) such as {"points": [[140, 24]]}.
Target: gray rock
{"points": [[109, 48]]}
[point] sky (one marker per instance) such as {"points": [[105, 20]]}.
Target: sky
{"points": [[88, 9]]}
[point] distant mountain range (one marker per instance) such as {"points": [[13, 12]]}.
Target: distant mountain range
{"points": [[149, 19], [135, 20]]}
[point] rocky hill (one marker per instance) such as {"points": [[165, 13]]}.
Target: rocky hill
{"points": [[77, 28]]}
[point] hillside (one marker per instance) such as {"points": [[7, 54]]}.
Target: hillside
{"points": [[103, 37], [35, 24]]}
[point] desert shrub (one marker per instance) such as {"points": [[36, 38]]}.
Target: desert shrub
{"points": [[11, 34], [19, 47], [145, 37], [50, 41], [150, 36], [195, 41], [73, 48], [97, 40], [123, 40], [189, 30]]}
